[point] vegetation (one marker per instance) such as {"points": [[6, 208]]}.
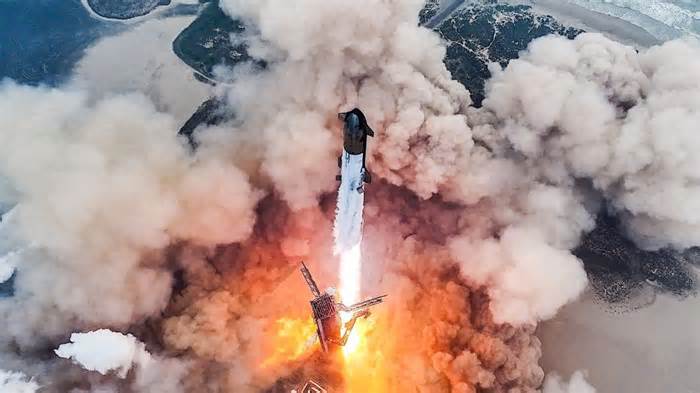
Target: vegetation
{"points": [[124, 9], [207, 42], [491, 32]]}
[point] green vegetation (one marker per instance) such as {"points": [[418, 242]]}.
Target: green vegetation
{"points": [[124, 9], [207, 41], [618, 270], [430, 10], [491, 32]]}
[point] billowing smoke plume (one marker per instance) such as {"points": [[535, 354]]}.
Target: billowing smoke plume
{"points": [[376, 56], [469, 224], [594, 109], [103, 187], [577, 384], [104, 351], [13, 382], [142, 60]]}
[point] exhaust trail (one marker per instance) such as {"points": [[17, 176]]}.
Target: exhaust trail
{"points": [[347, 230], [348, 221]]}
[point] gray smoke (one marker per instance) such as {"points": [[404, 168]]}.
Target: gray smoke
{"points": [[14, 382], [593, 109], [102, 188]]}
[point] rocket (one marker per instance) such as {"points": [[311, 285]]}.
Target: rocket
{"points": [[352, 161]]}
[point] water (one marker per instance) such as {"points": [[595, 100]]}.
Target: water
{"points": [[664, 19], [41, 40]]}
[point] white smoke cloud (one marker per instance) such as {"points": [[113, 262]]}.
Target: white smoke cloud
{"points": [[404, 89], [568, 110], [577, 384], [593, 108], [14, 382], [141, 59], [522, 274], [102, 188], [104, 351]]}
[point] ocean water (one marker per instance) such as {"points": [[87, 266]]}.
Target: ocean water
{"points": [[664, 19], [41, 40]]}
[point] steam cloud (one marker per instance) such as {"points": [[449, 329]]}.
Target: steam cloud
{"points": [[470, 239], [13, 382], [104, 351], [577, 384]]}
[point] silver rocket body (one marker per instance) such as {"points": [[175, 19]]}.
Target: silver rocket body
{"points": [[352, 162]]}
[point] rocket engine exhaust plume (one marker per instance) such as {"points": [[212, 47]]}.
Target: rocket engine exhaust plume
{"points": [[347, 229]]}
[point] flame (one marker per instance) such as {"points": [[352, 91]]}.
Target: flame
{"points": [[364, 363], [292, 340], [355, 338], [350, 276]]}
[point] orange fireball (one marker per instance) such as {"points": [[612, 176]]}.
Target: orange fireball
{"points": [[293, 339]]}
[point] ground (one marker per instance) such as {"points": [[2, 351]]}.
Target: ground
{"points": [[491, 32], [206, 43], [622, 275], [124, 9]]}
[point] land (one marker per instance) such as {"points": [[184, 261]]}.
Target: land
{"points": [[124, 9], [207, 42], [429, 11], [479, 34], [616, 28], [623, 275], [211, 112]]}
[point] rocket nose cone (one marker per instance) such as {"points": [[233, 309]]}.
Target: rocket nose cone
{"points": [[352, 121]]}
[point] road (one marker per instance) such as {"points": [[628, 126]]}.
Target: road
{"points": [[443, 14]]}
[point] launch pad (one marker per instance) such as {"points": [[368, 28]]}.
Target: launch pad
{"points": [[311, 387], [330, 329]]}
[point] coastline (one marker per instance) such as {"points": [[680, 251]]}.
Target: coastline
{"points": [[156, 12], [592, 21]]}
